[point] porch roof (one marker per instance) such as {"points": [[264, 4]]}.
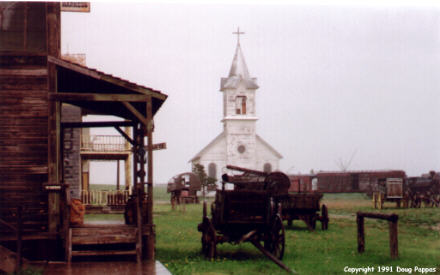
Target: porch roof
{"points": [[101, 93]]}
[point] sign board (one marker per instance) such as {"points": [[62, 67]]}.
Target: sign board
{"points": [[52, 187], [160, 146], [75, 6]]}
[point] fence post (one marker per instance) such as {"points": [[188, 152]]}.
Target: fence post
{"points": [[394, 246], [360, 231]]}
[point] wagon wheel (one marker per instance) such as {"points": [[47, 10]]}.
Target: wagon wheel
{"points": [[380, 200], [275, 239], [208, 239], [437, 200], [324, 217]]}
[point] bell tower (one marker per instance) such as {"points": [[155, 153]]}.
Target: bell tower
{"points": [[239, 112]]}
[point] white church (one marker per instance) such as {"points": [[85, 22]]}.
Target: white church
{"points": [[238, 144]]}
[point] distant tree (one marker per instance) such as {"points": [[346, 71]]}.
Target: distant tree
{"points": [[208, 183]]}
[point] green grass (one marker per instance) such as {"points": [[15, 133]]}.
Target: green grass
{"points": [[321, 252]]}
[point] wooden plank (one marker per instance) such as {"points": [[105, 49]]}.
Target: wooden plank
{"points": [[103, 252], [74, 67], [69, 97], [96, 239], [23, 82], [24, 72], [388, 217], [97, 124], [134, 87]]}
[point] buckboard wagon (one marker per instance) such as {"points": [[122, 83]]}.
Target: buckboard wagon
{"points": [[295, 206], [183, 188], [305, 207], [244, 216], [253, 212]]}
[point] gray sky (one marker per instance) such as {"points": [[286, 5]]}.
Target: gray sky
{"points": [[335, 80]]}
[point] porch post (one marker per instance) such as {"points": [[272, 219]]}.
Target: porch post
{"points": [[150, 128]]}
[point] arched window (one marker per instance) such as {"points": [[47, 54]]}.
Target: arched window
{"points": [[240, 105], [267, 168], [212, 170]]}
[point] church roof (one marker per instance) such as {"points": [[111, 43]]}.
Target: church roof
{"points": [[215, 140], [238, 72], [275, 152]]}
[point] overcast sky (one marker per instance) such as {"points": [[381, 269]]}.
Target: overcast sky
{"points": [[336, 81]]}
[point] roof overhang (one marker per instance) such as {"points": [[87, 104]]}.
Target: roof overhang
{"points": [[101, 93]]}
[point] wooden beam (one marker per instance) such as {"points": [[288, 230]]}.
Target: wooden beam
{"points": [[79, 96], [151, 236], [73, 67], [136, 113], [134, 87], [127, 137], [97, 124]]}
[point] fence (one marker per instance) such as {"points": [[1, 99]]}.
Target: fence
{"points": [[109, 198], [391, 218]]}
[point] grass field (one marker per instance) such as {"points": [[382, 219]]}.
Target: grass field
{"points": [[178, 243]]}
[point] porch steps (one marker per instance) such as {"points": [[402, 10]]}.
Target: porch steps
{"points": [[101, 240]]}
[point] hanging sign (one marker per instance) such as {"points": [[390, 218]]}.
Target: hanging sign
{"points": [[160, 146], [75, 6]]}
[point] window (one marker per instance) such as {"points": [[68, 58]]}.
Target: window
{"points": [[314, 184], [23, 26], [240, 105], [212, 170], [267, 168]]}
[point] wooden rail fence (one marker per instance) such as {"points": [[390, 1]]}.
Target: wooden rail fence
{"points": [[391, 218], [109, 198]]}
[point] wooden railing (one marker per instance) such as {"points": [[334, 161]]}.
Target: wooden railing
{"points": [[109, 198], [104, 143]]}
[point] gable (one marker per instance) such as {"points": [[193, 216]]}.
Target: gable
{"points": [[265, 150], [216, 149]]}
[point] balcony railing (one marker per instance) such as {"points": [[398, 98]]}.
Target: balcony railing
{"points": [[108, 198], [104, 143]]}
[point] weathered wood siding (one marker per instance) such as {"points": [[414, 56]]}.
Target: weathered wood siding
{"points": [[23, 139]]}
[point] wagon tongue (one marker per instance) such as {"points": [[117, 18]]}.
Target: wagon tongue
{"points": [[272, 257]]}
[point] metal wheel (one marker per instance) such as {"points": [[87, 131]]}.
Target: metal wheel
{"points": [[275, 241]]}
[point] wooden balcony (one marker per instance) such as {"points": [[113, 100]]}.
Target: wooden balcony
{"points": [[104, 147]]}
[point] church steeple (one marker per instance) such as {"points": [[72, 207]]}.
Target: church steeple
{"points": [[239, 71]]}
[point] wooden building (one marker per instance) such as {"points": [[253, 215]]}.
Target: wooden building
{"points": [[34, 83]]}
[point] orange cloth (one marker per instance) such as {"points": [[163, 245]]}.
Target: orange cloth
{"points": [[77, 211]]}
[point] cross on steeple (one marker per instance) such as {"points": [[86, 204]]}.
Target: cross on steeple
{"points": [[238, 34]]}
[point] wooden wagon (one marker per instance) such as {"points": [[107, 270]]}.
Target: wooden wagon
{"points": [[390, 189], [303, 206], [183, 188], [245, 214], [424, 190]]}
